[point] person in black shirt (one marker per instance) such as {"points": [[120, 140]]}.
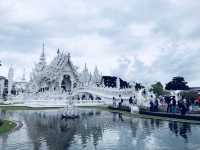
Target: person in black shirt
{"points": [[130, 100], [173, 104], [156, 105]]}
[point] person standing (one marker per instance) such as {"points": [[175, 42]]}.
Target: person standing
{"points": [[114, 102], [183, 107], [156, 105], [198, 100], [121, 101], [134, 100], [151, 104], [173, 105], [168, 100], [130, 100]]}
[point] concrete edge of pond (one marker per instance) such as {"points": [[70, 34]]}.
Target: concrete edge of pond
{"points": [[10, 107], [105, 107], [151, 116]]}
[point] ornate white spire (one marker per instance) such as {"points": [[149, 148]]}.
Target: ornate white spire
{"points": [[96, 76], [68, 56], [58, 51], [42, 56], [85, 76], [10, 79], [85, 69], [24, 76]]}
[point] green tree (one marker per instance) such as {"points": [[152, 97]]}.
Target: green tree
{"points": [[157, 89], [177, 83], [190, 95]]}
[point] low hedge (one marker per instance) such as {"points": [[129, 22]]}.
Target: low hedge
{"points": [[1, 122], [7, 126]]}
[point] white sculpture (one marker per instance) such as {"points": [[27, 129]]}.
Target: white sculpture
{"points": [[2, 86], [96, 79], [85, 77], [10, 80]]}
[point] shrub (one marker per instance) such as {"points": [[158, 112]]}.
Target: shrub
{"points": [[1, 122]]}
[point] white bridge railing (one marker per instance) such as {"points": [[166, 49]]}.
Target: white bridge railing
{"points": [[103, 92], [106, 91]]}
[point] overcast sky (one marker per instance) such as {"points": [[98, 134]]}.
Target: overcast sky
{"points": [[141, 40]]}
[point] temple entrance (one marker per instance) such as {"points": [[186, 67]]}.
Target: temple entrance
{"points": [[66, 83]]}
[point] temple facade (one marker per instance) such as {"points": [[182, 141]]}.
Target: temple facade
{"points": [[60, 75]]}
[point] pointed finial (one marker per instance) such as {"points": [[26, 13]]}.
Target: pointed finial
{"points": [[58, 51], [85, 66], [69, 55], [23, 76], [96, 68], [43, 47]]}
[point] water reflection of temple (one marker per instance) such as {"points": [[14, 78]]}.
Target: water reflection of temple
{"points": [[59, 134], [96, 130]]}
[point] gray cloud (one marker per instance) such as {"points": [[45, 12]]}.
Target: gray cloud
{"points": [[129, 38]]}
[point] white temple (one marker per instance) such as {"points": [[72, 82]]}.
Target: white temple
{"points": [[60, 75], [59, 82]]}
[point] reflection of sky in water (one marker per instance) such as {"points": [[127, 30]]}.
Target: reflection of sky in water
{"points": [[44, 130]]}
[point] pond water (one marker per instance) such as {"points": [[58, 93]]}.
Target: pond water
{"points": [[96, 129]]}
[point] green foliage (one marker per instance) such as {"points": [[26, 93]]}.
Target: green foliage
{"points": [[1, 122], [157, 89], [7, 126], [177, 83], [166, 93], [189, 95]]}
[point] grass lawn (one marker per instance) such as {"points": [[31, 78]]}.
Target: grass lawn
{"points": [[7, 126]]}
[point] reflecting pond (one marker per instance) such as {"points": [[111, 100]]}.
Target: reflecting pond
{"points": [[96, 129]]}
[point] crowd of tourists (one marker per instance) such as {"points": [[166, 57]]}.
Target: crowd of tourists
{"points": [[119, 102], [162, 104], [170, 104]]}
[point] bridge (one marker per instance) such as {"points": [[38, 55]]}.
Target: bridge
{"points": [[81, 96]]}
